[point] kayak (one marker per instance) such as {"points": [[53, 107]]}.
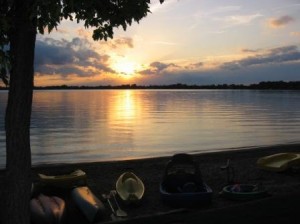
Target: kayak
{"points": [[92, 208], [182, 184], [74, 179], [130, 187], [243, 192], [47, 209], [279, 162]]}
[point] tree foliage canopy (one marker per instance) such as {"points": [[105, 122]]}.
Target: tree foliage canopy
{"points": [[102, 15]]}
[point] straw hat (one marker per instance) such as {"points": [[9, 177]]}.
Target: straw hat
{"points": [[130, 188]]}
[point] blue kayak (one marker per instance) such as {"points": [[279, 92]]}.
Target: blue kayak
{"points": [[182, 184]]}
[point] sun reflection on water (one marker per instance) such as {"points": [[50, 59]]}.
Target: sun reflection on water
{"points": [[97, 125], [126, 106]]}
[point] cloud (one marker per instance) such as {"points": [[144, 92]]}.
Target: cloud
{"points": [[236, 20], [65, 58], [84, 33], [215, 11], [280, 22], [194, 65], [296, 34], [254, 74], [160, 66], [124, 41], [278, 55], [245, 50], [281, 63], [283, 50], [157, 68], [62, 31]]}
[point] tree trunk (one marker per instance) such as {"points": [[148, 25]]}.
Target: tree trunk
{"points": [[18, 113]]}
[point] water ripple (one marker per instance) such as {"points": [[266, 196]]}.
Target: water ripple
{"points": [[79, 126]]}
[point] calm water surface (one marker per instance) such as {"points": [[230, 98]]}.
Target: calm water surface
{"points": [[95, 125]]}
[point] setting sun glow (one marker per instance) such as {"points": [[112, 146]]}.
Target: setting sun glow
{"points": [[124, 66], [221, 42]]}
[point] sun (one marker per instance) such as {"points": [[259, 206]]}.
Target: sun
{"points": [[125, 66]]}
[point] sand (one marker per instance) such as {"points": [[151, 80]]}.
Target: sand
{"points": [[282, 206]]}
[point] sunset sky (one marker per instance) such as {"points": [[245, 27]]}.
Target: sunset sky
{"points": [[181, 41]]}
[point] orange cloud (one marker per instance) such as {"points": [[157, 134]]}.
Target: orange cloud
{"points": [[280, 22], [123, 41], [84, 33], [297, 34]]}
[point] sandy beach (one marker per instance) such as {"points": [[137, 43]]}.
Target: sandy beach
{"points": [[282, 206]]}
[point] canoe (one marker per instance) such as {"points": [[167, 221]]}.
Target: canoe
{"points": [[243, 192], [92, 208], [279, 162], [47, 209], [74, 179], [130, 188], [182, 184]]}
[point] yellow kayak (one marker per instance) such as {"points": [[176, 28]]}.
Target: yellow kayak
{"points": [[74, 179], [279, 162]]}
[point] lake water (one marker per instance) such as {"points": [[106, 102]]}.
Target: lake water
{"points": [[70, 126]]}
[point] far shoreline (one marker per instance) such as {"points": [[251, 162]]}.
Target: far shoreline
{"points": [[265, 85]]}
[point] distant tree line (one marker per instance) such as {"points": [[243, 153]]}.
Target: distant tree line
{"points": [[276, 85]]}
